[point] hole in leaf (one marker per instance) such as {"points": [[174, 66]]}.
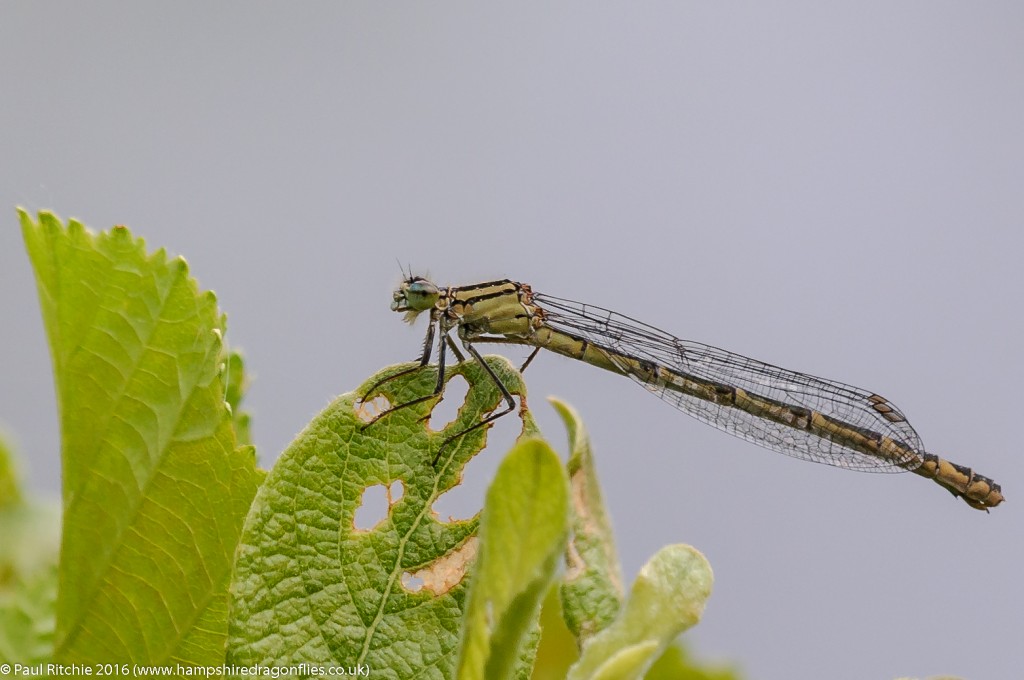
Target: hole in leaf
{"points": [[460, 502], [395, 492], [412, 582], [373, 508], [447, 410], [465, 499], [366, 411], [445, 572]]}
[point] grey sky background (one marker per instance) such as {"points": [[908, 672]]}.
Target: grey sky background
{"points": [[836, 188]]}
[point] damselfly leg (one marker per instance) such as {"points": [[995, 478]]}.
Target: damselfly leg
{"points": [[445, 343]]}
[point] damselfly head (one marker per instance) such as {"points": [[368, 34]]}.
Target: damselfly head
{"points": [[414, 296]]}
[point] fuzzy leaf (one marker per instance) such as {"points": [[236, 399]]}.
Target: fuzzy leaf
{"points": [[523, 533], [312, 587], [667, 597], [591, 591]]}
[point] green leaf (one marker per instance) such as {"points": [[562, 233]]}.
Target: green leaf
{"points": [[237, 384], [29, 544], [558, 649], [10, 488], [592, 589], [676, 664], [155, 487], [667, 597], [523, 533], [311, 586]]}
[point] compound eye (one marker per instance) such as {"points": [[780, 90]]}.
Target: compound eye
{"points": [[422, 288], [419, 295]]}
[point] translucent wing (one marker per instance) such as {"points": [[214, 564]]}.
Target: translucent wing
{"points": [[852, 406]]}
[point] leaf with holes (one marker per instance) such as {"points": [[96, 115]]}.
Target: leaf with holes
{"points": [[155, 486], [312, 587]]}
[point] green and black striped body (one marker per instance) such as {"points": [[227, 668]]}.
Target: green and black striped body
{"points": [[795, 413]]}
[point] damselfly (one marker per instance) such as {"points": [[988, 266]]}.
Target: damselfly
{"points": [[812, 418]]}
